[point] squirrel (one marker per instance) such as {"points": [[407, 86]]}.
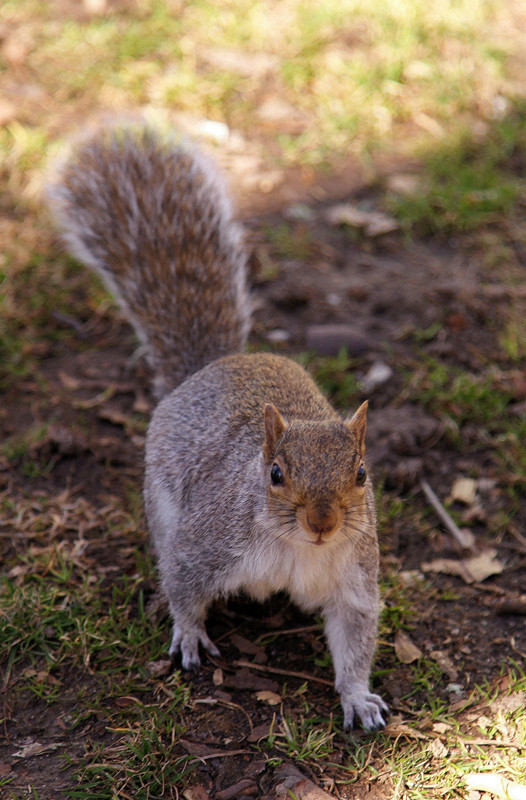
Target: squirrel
{"points": [[253, 482]]}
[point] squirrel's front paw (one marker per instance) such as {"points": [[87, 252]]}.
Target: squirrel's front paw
{"points": [[187, 642], [369, 707]]}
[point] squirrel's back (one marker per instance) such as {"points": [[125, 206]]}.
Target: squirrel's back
{"points": [[153, 218]]}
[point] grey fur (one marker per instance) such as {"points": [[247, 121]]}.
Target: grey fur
{"points": [[154, 221]]}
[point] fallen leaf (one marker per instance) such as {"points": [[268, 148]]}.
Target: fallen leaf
{"points": [[272, 698], [437, 749], [471, 570], [260, 732], [244, 679], [245, 645], [34, 749], [196, 793], [495, 784], [236, 790], [159, 669], [441, 727], [445, 663], [405, 649], [198, 749], [373, 223], [292, 783], [217, 677], [448, 566], [396, 727], [463, 491], [484, 564]]}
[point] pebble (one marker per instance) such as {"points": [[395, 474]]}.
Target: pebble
{"points": [[278, 335], [328, 340], [379, 374]]}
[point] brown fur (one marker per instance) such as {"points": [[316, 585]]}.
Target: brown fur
{"points": [[153, 219]]}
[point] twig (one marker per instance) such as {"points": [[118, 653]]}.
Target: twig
{"points": [[289, 673], [222, 754], [465, 540], [513, 605], [290, 631]]}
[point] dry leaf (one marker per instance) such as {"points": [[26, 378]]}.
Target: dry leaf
{"points": [[217, 677], [292, 783], [483, 565], [236, 790], [244, 679], [159, 669], [396, 727], [405, 649], [196, 793], [464, 491], [445, 663], [373, 223], [34, 749], [441, 727], [495, 784], [272, 698], [437, 749], [471, 570], [260, 732], [245, 645]]}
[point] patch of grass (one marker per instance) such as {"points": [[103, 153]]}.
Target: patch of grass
{"points": [[305, 740], [513, 337], [462, 396], [289, 241], [336, 376], [430, 755], [468, 181], [143, 761], [353, 74]]}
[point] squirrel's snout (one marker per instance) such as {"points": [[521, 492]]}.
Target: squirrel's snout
{"points": [[323, 521]]}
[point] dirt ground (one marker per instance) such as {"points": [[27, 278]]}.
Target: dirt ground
{"points": [[317, 287]]}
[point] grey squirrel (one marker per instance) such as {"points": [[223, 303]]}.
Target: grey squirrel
{"points": [[253, 482]]}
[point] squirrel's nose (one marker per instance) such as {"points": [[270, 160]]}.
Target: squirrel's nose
{"points": [[322, 520]]}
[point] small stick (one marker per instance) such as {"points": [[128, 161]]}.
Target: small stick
{"points": [[289, 673], [463, 539], [290, 631]]}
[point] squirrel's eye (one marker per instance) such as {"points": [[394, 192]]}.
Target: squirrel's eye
{"points": [[361, 476], [276, 475]]}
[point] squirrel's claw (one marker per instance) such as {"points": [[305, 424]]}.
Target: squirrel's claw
{"points": [[370, 709], [187, 643]]}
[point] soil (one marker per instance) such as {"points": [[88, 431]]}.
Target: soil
{"points": [[387, 300]]}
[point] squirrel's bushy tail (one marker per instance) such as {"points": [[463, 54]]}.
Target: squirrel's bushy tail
{"points": [[154, 220]]}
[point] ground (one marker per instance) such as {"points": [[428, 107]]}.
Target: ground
{"points": [[391, 277], [408, 302]]}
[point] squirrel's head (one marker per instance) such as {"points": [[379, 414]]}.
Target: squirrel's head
{"points": [[317, 479]]}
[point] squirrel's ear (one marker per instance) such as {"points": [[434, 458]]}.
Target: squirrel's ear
{"points": [[357, 424], [274, 427]]}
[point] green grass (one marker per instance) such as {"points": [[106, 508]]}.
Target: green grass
{"points": [[143, 762], [356, 75], [469, 180], [335, 375]]}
